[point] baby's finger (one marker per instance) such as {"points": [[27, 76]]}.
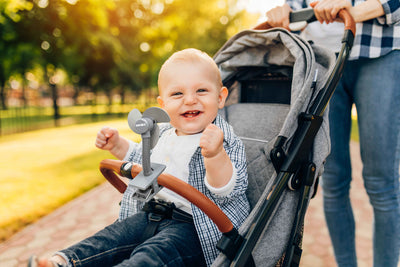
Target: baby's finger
{"points": [[101, 136], [211, 128], [107, 131], [98, 144]]}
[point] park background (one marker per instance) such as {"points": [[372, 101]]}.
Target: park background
{"points": [[68, 67]]}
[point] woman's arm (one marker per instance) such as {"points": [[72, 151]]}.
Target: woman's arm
{"points": [[367, 10]]}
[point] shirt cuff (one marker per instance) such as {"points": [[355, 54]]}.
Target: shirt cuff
{"points": [[392, 12], [226, 189], [62, 255]]}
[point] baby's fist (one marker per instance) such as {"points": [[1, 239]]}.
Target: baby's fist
{"points": [[107, 138], [211, 141]]}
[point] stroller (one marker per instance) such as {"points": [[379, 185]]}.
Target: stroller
{"points": [[280, 86]]}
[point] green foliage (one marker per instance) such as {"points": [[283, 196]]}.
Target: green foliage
{"points": [[11, 9], [108, 43]]}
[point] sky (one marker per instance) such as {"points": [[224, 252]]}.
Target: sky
{"points": [[259, 6]]}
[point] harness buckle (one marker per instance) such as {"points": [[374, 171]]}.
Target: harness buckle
{"points": [[159, 208], [154, 217]]}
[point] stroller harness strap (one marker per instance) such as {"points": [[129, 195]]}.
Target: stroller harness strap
{"points": [[159, 210]]}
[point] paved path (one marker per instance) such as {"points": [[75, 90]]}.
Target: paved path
{"points": [[99, 207]]}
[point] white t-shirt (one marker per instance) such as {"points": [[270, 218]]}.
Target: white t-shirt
{"points": [[176, 152], [327, 35]]}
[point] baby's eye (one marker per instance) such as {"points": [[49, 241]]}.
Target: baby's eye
{"points": [[201, 90], [176, 94]]}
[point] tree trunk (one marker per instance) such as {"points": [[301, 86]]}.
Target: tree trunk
{"points": [[56, 111], [109, 97], [23, 95], [76, 93], [122, 92], [3, 99]]}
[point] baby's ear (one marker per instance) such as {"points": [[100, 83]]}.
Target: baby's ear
{"points": [[160, 101], [223, 94]]}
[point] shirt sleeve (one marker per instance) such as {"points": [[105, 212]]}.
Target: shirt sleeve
{"points": [[134, 152], [392, 12], [237, 154], [225, 190]]}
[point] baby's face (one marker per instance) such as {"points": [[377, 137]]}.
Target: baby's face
{"points": [[191, 95]]}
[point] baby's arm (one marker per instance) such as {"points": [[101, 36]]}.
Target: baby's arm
{"points": [[108, 139], [218, 165]]}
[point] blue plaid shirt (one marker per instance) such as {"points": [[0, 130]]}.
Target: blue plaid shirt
{"points": [[235, 205], [374, 38]]}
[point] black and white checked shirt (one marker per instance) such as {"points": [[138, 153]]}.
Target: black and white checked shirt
{"points": [[235, 205], [375, 37]]}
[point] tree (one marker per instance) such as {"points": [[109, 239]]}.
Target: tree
{"points": [[103, 44], [62, 41], [14, 56], [149, 31]]}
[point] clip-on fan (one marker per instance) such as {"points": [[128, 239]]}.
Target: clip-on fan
{"points": [[146, 125]]}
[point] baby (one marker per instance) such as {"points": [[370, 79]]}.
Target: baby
{"points": [[200, 148]]}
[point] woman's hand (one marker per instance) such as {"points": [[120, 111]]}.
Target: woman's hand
{"points": [[279, 16], [327, 10]]}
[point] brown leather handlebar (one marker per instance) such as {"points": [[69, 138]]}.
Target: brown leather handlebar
{"points": [[197, 198], [111, 169], [108, 168], [263, 26], [348, 20]]}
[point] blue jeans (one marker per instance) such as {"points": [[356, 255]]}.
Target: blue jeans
{"points": [[119, 244], [373, 85]]}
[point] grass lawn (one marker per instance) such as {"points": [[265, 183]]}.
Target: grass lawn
{"points": [[44, 169]]}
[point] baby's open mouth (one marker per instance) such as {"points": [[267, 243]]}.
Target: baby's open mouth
{"points": [[191, 114]]}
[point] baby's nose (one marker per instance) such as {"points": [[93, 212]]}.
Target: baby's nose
{"points": [[190, 99]]}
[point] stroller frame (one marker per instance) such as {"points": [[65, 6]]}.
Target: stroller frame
{"points": [[294, 169]]}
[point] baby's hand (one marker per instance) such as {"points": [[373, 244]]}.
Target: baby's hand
{"points": [[211, 141], [107, 138]]}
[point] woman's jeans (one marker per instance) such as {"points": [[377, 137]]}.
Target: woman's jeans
{"points": [[175, 244], [374, 86]]}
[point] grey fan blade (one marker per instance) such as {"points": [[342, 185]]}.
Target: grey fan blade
{"points": [[157, 114], [133, 116], [154, 136]]}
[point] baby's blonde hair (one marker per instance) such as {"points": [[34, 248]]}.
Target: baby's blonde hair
{"points": [[192, 55]]}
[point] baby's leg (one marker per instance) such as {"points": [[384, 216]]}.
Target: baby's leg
{"points": [[176, 244], [107, 247]]}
